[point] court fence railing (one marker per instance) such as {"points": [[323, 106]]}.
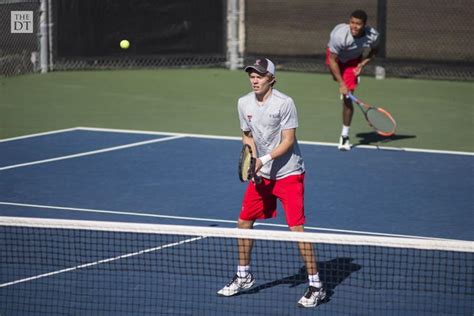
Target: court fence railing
{"points": [[421, 39]]}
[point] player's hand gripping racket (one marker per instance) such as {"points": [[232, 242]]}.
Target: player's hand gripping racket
{"points": [[247, 165], [380, 120]]}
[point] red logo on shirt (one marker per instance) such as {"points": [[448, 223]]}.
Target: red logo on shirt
{"points": [[249, 117]]}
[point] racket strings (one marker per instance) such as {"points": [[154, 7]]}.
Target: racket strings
{"points": [[246, 161], [381, 121]]}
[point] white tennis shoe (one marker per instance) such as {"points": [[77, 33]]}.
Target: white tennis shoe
{"points": [[312, 297], [237, 285], [344, 143]]}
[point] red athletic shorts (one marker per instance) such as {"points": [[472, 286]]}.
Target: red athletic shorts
{"points": [[260, 201], [347, 71]]}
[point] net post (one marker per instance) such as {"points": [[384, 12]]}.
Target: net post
{"points": [[241, 31], [234, 26], [50, 35], [43, 35]]}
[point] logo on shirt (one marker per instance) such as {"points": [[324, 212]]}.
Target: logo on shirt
{"points": [[249, 117]]}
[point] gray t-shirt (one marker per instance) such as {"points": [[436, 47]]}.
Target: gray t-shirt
{"points": [[342, 43], [266, 123]]}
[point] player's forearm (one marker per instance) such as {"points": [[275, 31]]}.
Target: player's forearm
{"points": [[336, 72], [248, 139], [369, 57], [282, 148], [364, 62], [287, 142]]}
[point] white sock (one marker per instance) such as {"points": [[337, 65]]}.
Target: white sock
{"points": [[314, 280], [243, 271], [345, 131]]}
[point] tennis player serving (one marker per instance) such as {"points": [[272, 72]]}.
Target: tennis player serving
{"points": [[268, 121], [344, 57]]}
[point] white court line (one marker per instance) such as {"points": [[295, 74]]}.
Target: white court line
{"points": [[430, 151], [88, 153], [129, 131], [39, 134], [141, 214], [88, 210], [90, 264]]}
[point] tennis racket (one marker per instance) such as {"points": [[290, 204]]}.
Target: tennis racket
{"points": [[379, 119], [247, 165]]}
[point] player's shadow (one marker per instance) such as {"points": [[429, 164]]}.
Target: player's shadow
{"points": [[332, 273], [374, 138]]}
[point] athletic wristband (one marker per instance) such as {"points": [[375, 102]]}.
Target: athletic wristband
{"points": [[265, 159]]}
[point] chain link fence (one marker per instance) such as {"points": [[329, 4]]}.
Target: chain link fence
{"points": [[19, 52], [420, 39], [164, 33], [423, 39]]}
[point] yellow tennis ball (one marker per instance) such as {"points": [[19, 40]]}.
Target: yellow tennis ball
{"points": [[124, 44]]}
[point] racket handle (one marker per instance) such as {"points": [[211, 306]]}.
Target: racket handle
{"points": [[350, 96], [255, 178]]}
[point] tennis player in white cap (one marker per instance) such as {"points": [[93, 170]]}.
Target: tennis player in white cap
{"points": [[268, 121]]}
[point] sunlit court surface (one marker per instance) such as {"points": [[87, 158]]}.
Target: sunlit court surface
{"points": [[104, 176], [121, 138]]}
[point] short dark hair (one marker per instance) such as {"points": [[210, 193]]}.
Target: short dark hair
{"points": [[360, 14]]}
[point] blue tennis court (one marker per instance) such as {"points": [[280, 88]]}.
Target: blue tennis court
{"points": [[378, 191], [180, 179]]}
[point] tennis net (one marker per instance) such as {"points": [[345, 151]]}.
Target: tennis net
{"points": [[54, 267]]}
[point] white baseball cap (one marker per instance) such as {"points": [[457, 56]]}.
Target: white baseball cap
{"points": [[262, 65]]}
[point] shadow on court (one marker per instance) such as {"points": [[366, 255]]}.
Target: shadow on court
{"points": [[332, 273], [373, 137]]}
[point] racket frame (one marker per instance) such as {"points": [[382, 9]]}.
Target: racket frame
{"points": [[251, 174], [365, 108]]}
